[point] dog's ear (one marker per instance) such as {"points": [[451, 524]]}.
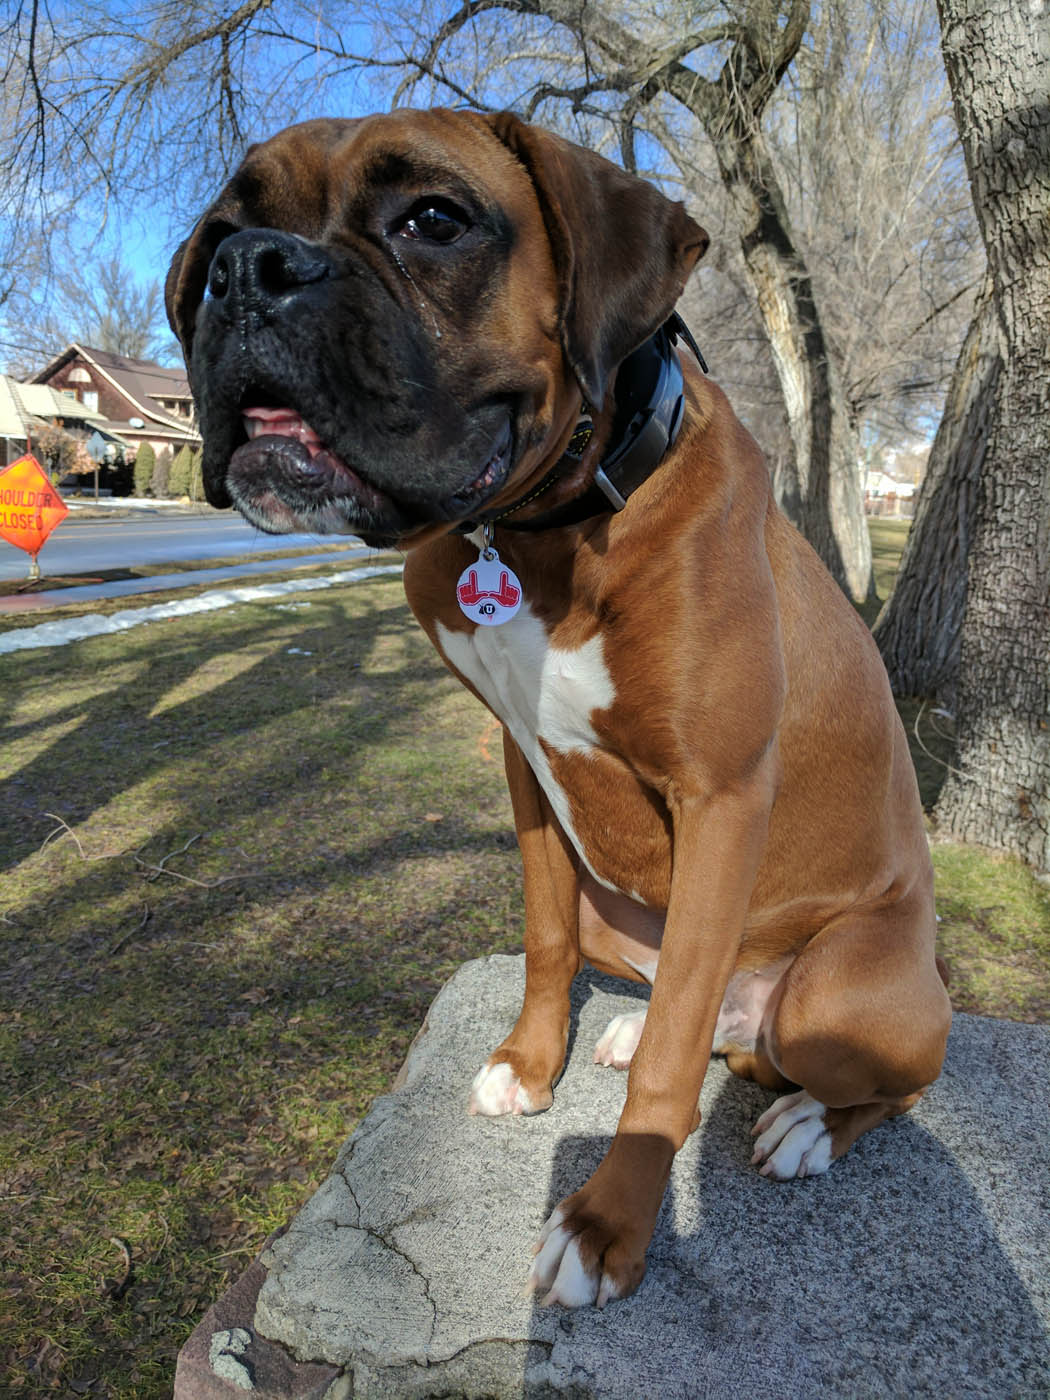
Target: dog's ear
{"points": [[179, 294], [187, 278], [623, 251]]}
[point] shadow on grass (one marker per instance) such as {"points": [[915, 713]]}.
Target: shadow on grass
{"points": [[126, 730], [183, 1047]]}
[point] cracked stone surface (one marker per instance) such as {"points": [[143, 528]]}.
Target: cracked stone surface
{"points": [[917, 1266], [225, 1359]]}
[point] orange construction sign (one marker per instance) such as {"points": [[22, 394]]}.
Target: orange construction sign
{"points": [[30, 507]]}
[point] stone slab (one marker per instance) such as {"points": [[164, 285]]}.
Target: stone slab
{"points": [[225, 1357], [917, 1266]]}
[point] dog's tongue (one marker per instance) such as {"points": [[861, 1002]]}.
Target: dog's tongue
{"points": [[281, 422]]}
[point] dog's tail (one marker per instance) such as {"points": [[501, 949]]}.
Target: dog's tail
{"points": [[944, 970]]}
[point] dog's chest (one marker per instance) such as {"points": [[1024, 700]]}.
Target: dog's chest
{"points": [[546, 697]]}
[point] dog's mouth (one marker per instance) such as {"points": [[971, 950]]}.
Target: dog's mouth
{"points": [[284, 478]]}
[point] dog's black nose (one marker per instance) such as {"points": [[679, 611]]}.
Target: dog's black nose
{"points": [[260, 265]]}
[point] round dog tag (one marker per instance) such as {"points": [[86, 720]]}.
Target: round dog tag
{"points": [[488, 591]]}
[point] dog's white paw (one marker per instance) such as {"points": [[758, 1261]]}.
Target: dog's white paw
{"points": [[496, 1091], [792, 1138], [620, 1040], [559, 1268]]}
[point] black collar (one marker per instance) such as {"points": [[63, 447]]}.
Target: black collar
{"points": [[649, 399]]}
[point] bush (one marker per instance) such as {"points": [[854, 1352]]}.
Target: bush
{"points": [[54, 449], [196, 478], [161, 473], [179, 480], [118, 475], [145, 461]]}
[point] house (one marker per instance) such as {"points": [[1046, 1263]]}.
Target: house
{"points": [[885, 495], [128, 401], [25, 407]]}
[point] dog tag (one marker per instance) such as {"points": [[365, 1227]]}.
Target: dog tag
{"points": [[488, 592]]}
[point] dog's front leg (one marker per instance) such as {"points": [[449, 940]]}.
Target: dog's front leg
{"points": [[520, 1074], [593, 1247]]}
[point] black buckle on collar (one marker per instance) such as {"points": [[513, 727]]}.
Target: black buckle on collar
{"points": [[649, 403]]}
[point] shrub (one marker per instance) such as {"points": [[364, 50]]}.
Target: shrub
{"points": [[161, 473], [179, 480], [145, 461], [118, 475], [196, 478], [54, 449]]}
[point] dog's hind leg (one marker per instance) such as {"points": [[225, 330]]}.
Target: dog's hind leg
{"points": [[861, 1026], [520, 1074]]}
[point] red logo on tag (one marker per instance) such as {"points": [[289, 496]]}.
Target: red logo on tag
{"points": [[506, 595], [488, 592]]}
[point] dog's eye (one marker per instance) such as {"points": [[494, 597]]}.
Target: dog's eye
{"points": [[434, 221]]}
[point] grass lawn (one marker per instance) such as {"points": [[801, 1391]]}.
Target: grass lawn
{"points": [[241, 851]]}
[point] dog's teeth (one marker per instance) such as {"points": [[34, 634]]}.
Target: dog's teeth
{"points": [[281, 423], [254, 427]]}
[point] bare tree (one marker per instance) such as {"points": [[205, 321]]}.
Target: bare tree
{"points": [[96, 302], [868, 155], [997, 54]]}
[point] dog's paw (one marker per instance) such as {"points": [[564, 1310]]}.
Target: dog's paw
{"points": [[497, 1090], [568, 1265], [793, 1139], [620, 1040]]}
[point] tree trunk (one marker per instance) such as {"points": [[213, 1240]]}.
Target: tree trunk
{"points": [[997, 53], [919, 629], [822, 494]]}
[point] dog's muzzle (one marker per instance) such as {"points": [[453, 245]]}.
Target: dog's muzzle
{"points": [[321, 399]]}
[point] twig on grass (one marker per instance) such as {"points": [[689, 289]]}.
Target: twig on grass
{"points": [[62, 829], [161, 868], [116, 1288], [232, 1253], [115, 947], [158, 1253]]}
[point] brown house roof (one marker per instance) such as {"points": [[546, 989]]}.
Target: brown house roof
{"points": [[141, 382]]}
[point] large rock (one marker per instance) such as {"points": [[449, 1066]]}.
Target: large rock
{"points": [[916, 1266]]}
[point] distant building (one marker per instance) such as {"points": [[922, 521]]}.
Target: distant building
{"points": [[87, 391], [127, 401], [885, 495]]}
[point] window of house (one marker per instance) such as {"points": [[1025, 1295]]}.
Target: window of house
{"points": [[91, 400]]}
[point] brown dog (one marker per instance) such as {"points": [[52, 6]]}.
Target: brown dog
{"points": [[397, 325]]}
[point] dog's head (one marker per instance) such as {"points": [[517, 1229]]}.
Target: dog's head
{"points": [[389, 323]]}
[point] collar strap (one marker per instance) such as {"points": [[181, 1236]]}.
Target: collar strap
{"points": [[649, 401]]}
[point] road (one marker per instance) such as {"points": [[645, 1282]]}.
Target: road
{"points": [[83, 547]]}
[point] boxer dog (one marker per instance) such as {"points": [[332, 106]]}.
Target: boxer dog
{"points": [[455, 334]]}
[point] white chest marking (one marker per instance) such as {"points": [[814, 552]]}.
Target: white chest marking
{"points": [[539, 692]]}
